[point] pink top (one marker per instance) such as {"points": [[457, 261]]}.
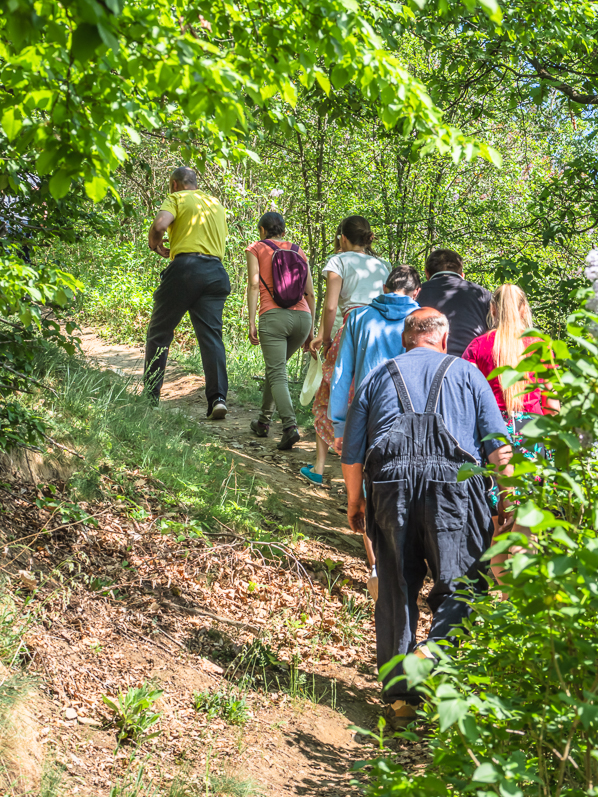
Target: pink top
{"points": [[479, 352], [264, 257]]}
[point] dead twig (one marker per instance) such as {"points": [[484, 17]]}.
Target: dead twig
{"points": [[277, 546]]}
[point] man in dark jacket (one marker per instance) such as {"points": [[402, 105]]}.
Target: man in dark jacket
{"points": [[465, 304], [413, 422]]}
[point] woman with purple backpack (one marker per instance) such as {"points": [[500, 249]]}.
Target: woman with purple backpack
{"points": [[278, 274]]}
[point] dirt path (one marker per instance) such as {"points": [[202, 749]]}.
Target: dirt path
{"points": [[290, 746], [322, 509]]}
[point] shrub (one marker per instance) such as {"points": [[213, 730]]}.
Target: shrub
{"points": [[222, 704], [517, 706]]}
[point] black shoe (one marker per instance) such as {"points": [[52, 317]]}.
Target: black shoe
{"points": [[289, 437], [217, 410], [260, 429]]}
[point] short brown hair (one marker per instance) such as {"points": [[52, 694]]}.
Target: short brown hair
{"points": [[403, 278], [444, 260]]}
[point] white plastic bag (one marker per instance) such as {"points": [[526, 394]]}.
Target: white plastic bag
{"points": [[312, 381]]}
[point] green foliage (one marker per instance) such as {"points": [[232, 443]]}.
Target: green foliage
{"points": [[208, 65], [133, 714], [14, 622], [230, 707], [517, 704]]}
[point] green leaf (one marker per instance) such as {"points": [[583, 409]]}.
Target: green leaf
{"points": [[451, 711], [11, 124], [96, 188], [323, 82], [340, 77], [60, 184], [492, 8], [86, 40], [485, 773], [529, 515]]}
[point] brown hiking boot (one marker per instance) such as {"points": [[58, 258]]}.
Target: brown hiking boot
{"points": [[289, 437], [400, 714]]}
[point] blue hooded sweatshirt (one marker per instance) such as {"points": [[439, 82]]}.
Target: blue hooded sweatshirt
{"points": [[372, 335]]}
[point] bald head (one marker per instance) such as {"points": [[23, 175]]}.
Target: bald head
{"points": [[426, 327], [182, 179]]}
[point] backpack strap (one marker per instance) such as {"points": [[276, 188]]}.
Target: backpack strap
{"points": [[271, 244], [274, 248], [434, 393], [397, 378], [263, 281]]}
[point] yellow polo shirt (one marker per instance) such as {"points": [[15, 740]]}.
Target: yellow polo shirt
{"points": [[199, 223]]}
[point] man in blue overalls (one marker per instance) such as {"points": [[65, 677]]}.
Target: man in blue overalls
{"points": [[412, 424]]}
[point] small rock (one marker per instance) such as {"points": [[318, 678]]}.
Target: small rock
{"points": [[88, 721], [71, 714]]}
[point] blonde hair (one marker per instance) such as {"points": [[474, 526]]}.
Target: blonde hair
{"points": [[510, 317]]}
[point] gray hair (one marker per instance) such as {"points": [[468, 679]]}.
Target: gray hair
{"points": [[185, 176], [430, 326]]}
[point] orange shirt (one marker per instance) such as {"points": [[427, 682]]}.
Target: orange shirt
{"points": [[264, 257]]}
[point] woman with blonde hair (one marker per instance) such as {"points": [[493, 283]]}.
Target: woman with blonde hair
{"points": [[505, 344]]}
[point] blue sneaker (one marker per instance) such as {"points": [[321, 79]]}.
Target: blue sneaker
{"points": [[314, 478]]}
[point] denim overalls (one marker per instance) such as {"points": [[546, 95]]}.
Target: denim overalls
{"points": [[418, 515]]}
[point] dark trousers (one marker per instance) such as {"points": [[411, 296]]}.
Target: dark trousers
{"points": [[199, 285], [419, 522]]}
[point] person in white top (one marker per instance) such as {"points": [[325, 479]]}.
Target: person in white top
{"points": [[354, 277]]}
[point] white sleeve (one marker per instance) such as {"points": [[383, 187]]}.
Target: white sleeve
{"points": [[335, 265]]}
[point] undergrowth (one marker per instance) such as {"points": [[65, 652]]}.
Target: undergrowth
{"points": [[139, 453]]}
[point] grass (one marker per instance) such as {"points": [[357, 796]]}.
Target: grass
{"points": [[120, 437], [232, 708], [134, 784]]}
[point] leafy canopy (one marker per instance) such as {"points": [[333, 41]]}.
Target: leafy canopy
{"points": [[80, 78]]}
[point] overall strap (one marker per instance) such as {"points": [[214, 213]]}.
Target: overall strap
{"points": [[397, 378], [434, 393]]}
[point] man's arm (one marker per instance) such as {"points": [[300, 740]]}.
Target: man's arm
{"points": [[156, 233], [501, 458]]}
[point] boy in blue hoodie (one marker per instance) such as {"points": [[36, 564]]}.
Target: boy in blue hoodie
{"points": [[372, 335]]}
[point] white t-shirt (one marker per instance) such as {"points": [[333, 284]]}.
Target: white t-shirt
{"points": [[363, 278]]}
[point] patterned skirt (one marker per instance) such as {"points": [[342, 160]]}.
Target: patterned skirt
{"points": [[322, 423]]}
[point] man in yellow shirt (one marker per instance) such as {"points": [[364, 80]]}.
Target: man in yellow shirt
{"points": [[194, 282]]}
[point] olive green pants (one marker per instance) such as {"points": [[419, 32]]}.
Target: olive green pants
{"points": [[281, 333]]}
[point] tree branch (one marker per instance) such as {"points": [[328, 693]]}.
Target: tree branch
{"points": [[564, 88]]}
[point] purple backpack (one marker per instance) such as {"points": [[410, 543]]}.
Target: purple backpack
{"points": [[289, 275]]}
